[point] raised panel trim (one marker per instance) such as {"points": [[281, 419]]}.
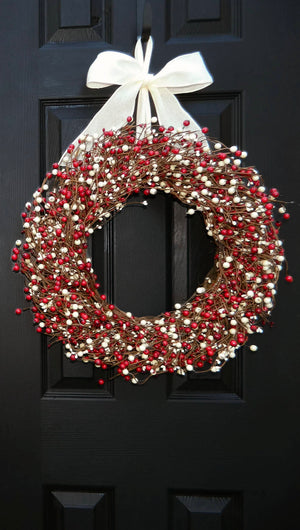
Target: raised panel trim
{"points": [[225, 28], [54, 384], [226, 386], [217, 510], [55, 110], [65, 506], [55, 30]]}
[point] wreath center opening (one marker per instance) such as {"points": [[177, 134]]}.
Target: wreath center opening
{"points": [[152, 255]]}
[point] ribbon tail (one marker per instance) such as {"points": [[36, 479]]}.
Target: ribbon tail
{"points": [[112, 115], [170, 112], [143, 112]]}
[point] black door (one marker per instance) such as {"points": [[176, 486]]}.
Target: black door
{"points": [[199, 452]]}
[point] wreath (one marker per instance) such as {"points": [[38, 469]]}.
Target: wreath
{"points": [[101, 174], [92, 182]]}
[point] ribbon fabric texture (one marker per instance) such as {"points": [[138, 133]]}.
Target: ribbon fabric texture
{"points": [[185, 73]]}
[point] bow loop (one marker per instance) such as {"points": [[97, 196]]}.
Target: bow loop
{"points": [[186, 73], [113, 68]]}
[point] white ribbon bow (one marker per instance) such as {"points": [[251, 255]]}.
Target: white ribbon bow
{"points": [[185, 73]]}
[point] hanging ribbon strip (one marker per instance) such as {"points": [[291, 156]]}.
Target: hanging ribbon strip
{"points": [[185, 73]]}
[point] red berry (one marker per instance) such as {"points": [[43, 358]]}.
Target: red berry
{"points": [[186, 123], [289, 278], [18, 311], [286, 216], [101, 382], [274, 192], [205, 130]]}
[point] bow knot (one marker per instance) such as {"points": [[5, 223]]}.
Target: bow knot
{"points": [[146, 81], [185, 73]]}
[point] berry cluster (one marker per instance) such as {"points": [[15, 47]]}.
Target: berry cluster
{"points": [[94, 183]]}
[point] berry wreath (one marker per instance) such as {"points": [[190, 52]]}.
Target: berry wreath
{"points": [[100, 174]]}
